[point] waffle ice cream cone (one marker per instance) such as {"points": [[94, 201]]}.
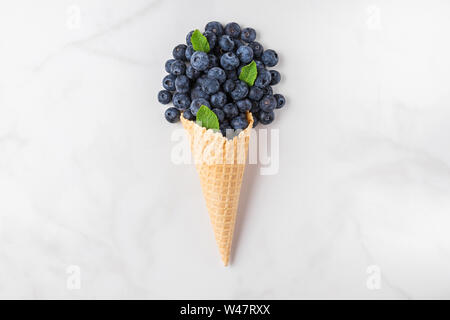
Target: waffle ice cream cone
{"points": [[220, 163]]}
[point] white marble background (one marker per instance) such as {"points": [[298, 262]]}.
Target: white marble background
{"points": [[86, 177]]}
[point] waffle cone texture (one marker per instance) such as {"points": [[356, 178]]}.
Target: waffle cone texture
{"points": [[220, 163]]}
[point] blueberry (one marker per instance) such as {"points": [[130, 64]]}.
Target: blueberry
{"points": [[187, 114], [197, 103], [248, 34], [229, 61], [191, 73], [224, 123], [189, 52], [231, 74], [255, 108], [255, 93], [219, 99], [179, 52], [280, 100], [258, 49], [213, 61], [266, 117], [240, 91], [211, 37], [217, 73], [259, 64], [182, 84], [172, 115], [164, 96], [233, 30], [244, 105], [215, 27], [276, 77], [169, 82], [199, 60], [178, 67], [181, 101], [219, 113], [229, 86], [231, 110], [226, 43], [238, 123], [268, 90], [268, 103], [269, 58], [263, 79], [188, 38], [238, 43], [245, 54], [199, 93], [210, 86], [255, 122], [168, 64]]}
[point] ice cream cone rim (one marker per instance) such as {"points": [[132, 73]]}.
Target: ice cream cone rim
{"points": [[218, 134]]}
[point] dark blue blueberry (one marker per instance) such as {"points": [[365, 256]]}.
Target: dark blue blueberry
{"points": [[188, 38], [268, 90], [197, 103], [240, 91], [239, 123], [266, 117], [244, 105], [199, 93], [231, 110], [255, 122], [231, 74], [226, 43], [164, 96], [211, 37], [268, 103], [263, 79], [199, 61], [182, 84], [215, 27], [259, 64], [229, 86], [210, 86], [248, 34], [172, 115], [281, 101], [229, 61], [191, 73], [217, 73], [276, 77], [177, 68], [169, 82], [213, 61], [238, 43], [255, 108], [233, 30], [219, 99], [179, 52], [258, 49], [245, 54], [219, 113], [189, 52], [168, 64], [181, 101], [187, 114], [255, 93], [269, 58]]}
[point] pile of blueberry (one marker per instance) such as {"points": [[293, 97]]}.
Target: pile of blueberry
{"points": [[197, 78]]}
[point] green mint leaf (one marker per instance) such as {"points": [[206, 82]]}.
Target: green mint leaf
{"points": [[206, 118], [199, 42], [249, 73]]}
